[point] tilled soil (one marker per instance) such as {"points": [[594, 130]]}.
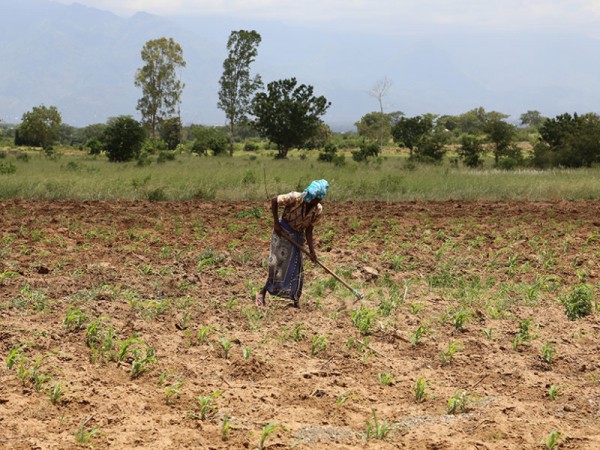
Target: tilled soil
{"points": [[486, 278]]}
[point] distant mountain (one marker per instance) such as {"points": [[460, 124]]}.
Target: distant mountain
{"points": [[83, 61]]}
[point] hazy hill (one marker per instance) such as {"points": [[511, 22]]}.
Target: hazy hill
{"points": [[83, 60]]}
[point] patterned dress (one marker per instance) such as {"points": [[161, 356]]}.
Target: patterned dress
{"points": [[286, 275]]}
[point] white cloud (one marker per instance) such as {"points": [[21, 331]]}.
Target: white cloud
{"points": [[391, 14]]}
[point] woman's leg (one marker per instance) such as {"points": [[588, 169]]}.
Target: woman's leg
{"points": [[261, 297]]}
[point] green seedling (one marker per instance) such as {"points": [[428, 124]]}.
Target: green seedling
{"points": [[548, 352], [385, 378], [15, 356], [297, 333], [341, 399], [225, 346], [458, 403], [524, 327], [553, 393], [203, 334], [173, 391], [487, 333], [124, 347], [7, 275], [225, 427], [415, 337], [267, 431], [552, 440], [318, 344], [376, 429], [460, 318], [140, 364], [83, 435], [56, 394], [363, 320], [75, 319], [205, 405], [516, 342], [246, 352], [37, 376], [448, 355], [419, 389]]}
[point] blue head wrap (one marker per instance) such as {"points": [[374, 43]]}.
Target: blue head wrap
{"points": [[316, 189]]}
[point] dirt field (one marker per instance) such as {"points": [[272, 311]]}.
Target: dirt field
{"points": [[78, 280]]}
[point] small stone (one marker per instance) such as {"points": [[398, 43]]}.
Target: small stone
{"points": [[570, 408]]}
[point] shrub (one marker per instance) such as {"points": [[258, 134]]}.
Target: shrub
{"points": [[94, 146], [165, 156], [7, 168], [367, 150], [123, 139], [209, 139], [470, 150], [579, 303], [329, 152], [152, 146], [251, 146]]}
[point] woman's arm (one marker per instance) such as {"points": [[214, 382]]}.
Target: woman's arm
{"points": [[309, 240]]}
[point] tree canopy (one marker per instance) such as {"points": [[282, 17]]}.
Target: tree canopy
{"points": [[40, 127], [377, 126], [569, 140], [237, 86], [123, 138], [288, 114], [158, 79]]}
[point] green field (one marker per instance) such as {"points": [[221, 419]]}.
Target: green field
{"points": [[243, 177]]}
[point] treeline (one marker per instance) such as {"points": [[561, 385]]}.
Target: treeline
{"points": [[564, 141], [567, 140]]}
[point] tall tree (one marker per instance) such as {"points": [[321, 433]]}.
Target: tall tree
{"points": [[502, 135], [410, 131], [159, 80], [237, 87], [40, 127], [379, 90], [288, 114]]}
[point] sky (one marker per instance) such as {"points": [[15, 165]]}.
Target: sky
{"points": [[391, 16]]}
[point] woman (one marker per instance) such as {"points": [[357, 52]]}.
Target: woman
{"points": [[302, 210]]}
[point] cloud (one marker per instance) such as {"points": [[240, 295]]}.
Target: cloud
{"points": [[381, 14]]}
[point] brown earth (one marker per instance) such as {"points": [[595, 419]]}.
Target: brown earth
{"points": [[162, 271]]}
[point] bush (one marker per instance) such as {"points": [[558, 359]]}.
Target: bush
{"points": [[507, 164], [209, 139], [24, 157], [153, 146], [431, 148], [329, 152], [165, 156], [6, 168], [94, 146], [157, 195], [251, 146], [123, 139], [579, 303], [367, 150], [470, 150]]}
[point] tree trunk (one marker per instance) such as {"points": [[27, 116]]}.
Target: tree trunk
{"points": [[231, 128], [282, 153]]}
